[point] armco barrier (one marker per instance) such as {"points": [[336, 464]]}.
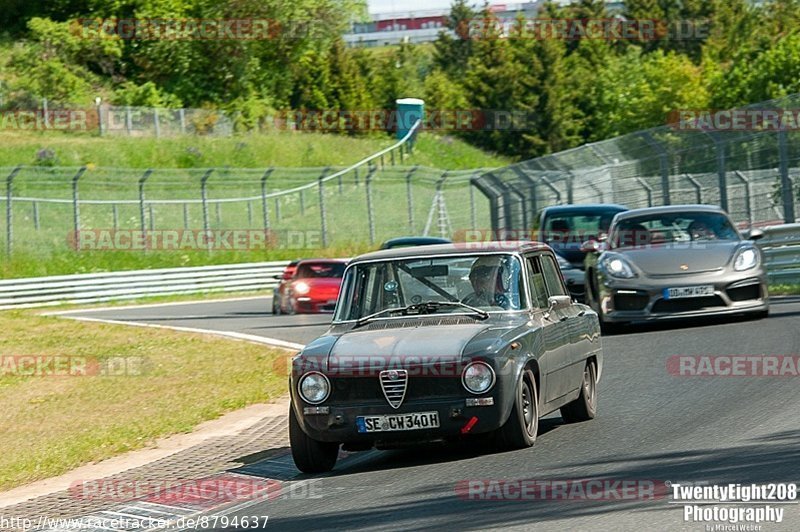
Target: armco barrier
{"points": [[112, 286], [781, 246]]}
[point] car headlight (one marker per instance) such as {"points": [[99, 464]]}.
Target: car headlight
{"points": [[301, 288], [618, 267], [746, 259], [314, 387], [478, 377], [563, 263]]}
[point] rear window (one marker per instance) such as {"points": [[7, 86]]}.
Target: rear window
{"points": [[320, 270]]}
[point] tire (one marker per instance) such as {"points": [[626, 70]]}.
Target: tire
{"points": [[276, 307], [310, 455], [584, 407], [760, 315], [520, 430]]}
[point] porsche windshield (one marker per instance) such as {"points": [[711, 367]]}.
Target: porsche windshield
{"points": [[674, 227], [487, 282]]}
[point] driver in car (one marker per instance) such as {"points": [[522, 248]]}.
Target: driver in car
{"points": [[483, 278], [699, 230]]}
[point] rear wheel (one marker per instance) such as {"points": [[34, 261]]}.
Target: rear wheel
{"points": [[310, 455], [523, 424], [584, 407], [276, 307]]}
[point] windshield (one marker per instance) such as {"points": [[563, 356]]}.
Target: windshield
{"points": [[577, 226], [320, 269], [487, 282], [673, 228]]}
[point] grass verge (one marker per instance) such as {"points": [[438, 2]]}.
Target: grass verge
{"points": [[52, 424], [784, 289]]}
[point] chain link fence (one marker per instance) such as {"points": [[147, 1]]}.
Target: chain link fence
{"points": [[751, 171], [299, 207]]}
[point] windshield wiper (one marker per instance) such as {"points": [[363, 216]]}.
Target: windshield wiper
{"points": [[428, 307]]}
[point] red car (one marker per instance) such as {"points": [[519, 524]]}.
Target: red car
{"points": [[313, 287], [280, 291]]}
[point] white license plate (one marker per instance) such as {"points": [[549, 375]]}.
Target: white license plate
{"points": [[388, 423], [689, 291]]}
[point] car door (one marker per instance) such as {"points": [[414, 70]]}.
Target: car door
{"points": [[556, 332], [567, 368]]}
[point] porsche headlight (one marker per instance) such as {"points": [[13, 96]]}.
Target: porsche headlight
{"points": [[314, 387], [301, 288], [746, 259], [618, 267], [478, 377]]}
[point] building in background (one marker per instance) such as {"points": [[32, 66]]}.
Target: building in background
{"points": [[386, 29]]}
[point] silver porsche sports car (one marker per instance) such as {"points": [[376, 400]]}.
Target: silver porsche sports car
{"points": [[677, 261]]}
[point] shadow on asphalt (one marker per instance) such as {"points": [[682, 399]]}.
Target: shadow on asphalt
{"points": [[767, 459]]}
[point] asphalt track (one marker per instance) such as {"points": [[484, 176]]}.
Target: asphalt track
{"points": [[651, 426]]}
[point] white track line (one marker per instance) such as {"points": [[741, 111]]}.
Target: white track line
{"points": [[274, 342], [154, 305]]}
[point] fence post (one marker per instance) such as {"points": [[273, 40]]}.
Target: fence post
{"points": [[648, 190], [249, 214], [472, 213], [570, 194], [410, 198], [152, 217], [264, 205], [218, 208], [747, 197], [9, 226], [392, 157], [322, 214], [156, 125], [302, 202], [115, 216], [356, 174], [698, 188], [35, 206], [786, 184], [76, 212], [128, 120], [204, 199], [186, 216], [143, 223], [182, 115], [370, 217]]}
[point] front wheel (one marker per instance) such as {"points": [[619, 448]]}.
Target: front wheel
{"points": [[310, 455], [276, 306], [584, 407], [523, 424]]}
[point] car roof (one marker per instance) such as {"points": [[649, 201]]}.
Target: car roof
{"points": [[322, 261], [459, 248], [580, 207], [415, 240], [669, 209]]}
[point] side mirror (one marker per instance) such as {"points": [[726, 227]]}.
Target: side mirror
{"points": [[278, 276], [555, 303], [755, 234], [594, 246]]}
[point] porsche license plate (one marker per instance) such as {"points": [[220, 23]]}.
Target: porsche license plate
{"points": [[413, 421], [689, 291]]}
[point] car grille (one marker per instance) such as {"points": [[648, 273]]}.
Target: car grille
{"points": [[393, 384], [743, 293], [630, 301], [368, 388], [663, 306]]}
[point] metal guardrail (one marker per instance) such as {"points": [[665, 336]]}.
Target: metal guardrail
{"points": [[116, 286], [781, 246]]}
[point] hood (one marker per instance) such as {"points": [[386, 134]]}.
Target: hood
{"points": [[681, 258], [403, 347]]}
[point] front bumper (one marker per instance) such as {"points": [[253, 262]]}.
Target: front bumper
{"points": [[643, 299], [308, 305], [455, 420]]}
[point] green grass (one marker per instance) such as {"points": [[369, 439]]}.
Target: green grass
{"points": [[52, 424], [299, 149], [784, 289]]}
